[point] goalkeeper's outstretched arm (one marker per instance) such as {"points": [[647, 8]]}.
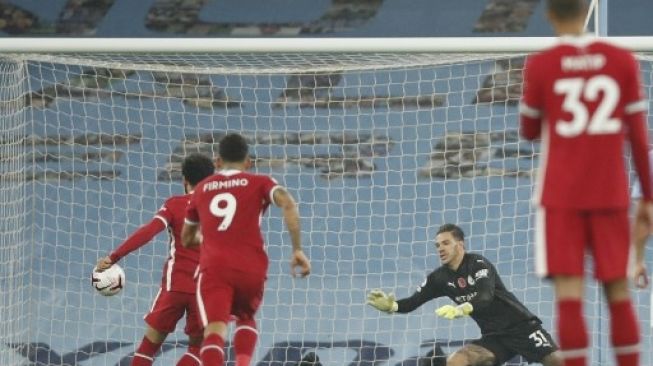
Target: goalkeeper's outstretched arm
{"points": [[381, 301]]}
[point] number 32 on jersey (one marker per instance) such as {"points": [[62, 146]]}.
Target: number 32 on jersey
{"points": [[575, 90]]}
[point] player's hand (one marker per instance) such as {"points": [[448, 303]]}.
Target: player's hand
{"points": [[454, 312], [643, 220], [640, 275], [642, 226], [103, 263], [382, 301], [300, 260]]}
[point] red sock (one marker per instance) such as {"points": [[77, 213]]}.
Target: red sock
{"points": [[144, 355], [212, 352], [625, 333], [245, 336], [191, 357], [572, 333]]}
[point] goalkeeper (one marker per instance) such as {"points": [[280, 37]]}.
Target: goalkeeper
{"points": [[508, 328]]}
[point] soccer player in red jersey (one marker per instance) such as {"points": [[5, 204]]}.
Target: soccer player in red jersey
{"points": [[584, 98], [177, 293], [228, 207]]}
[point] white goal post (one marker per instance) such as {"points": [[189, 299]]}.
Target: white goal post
{"points": [[381, 140]]}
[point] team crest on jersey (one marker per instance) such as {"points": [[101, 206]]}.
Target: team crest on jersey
{"points": [[470, 280], [461, 282]]}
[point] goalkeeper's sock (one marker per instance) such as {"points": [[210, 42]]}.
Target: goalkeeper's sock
{"points": [[191, 357], [144, 355], [572, 333], [624, 333], [245, 336], [212, 352]]}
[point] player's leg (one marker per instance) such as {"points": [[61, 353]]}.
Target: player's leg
{"points": [[245, 337], [611, 252], [167, 309], [212, 350], [572, 331], [624, 330], [472, 355], [531, 341], [214, 299], [553, 359], [192, 356], [150, 345], [194, 330], [561, 237], [247, 298]]}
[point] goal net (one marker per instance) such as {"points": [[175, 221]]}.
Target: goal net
{"points": [[379, 149]]}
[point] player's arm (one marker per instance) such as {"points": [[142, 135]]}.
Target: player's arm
{"points": [[137, 239], [530, 106], [485, 277], [640, 234], [286, 202], [189, 232], [636, 127], [638, 135], [640, 231], [635, 120], [428, 290]]}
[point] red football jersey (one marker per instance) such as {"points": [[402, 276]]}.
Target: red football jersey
{"points": [[229, 207], [179, 270], [584, 97]]}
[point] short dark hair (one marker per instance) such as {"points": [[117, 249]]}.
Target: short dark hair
{"points": [[455, 231], [233, 148], [196, 167], [567, 9]]}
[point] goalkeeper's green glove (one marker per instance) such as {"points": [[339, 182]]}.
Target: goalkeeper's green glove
{"points": [[382, 301], [455, 312]]}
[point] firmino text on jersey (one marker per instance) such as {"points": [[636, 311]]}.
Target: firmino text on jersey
{"points": [[231, 183]]}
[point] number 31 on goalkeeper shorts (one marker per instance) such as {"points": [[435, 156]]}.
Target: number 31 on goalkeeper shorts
{"points": [[539, 339]]}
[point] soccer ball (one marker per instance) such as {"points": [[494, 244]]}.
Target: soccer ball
{"points": [[108, 282]]}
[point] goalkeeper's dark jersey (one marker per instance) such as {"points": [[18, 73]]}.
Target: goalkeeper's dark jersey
{"points": [[476, 281]]}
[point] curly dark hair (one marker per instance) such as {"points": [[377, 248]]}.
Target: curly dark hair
{"points": [[196, 167]]}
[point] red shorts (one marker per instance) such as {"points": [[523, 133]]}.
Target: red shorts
{"points": [[169, 307], [222, 292], [563, 236]]}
